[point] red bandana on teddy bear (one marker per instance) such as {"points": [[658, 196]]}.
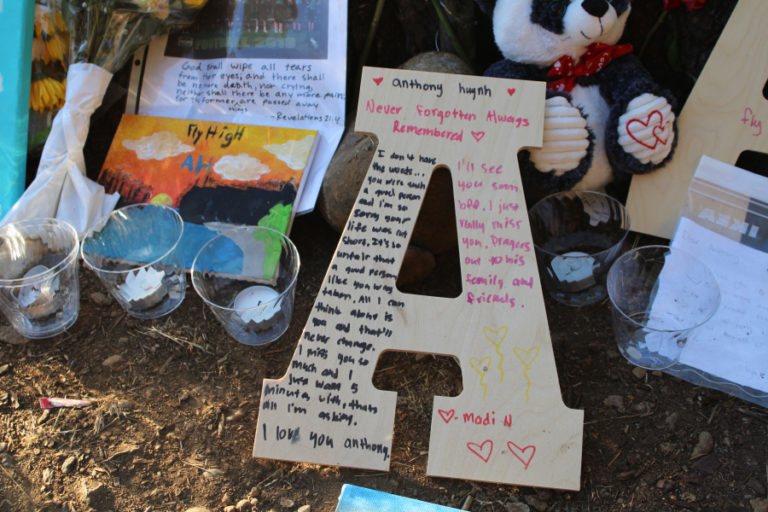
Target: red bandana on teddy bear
{"points": [[597, 56]]}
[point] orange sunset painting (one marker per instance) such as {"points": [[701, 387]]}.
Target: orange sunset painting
{"points": [[215, 174], [156, 159]]}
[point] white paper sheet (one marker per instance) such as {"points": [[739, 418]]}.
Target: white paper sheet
{"points": [[733, 345], [292, 75], [60, 188]]}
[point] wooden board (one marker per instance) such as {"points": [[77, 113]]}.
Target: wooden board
{"points": [[725, 115], [509, 424]]}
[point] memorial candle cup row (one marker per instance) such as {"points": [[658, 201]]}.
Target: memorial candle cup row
{"points": [[246, 276]]}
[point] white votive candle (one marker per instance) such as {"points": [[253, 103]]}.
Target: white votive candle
{"points": [[253, 304], [575, 268], [144, 285]]}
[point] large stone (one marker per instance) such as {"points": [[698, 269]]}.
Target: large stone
{"points": [[344, 177], [350, 163]]}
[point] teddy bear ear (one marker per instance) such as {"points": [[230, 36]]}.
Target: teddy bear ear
{"points": [[486, 6]]}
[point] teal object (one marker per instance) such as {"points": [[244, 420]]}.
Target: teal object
{"points": [[16, 26], [361, 499]]}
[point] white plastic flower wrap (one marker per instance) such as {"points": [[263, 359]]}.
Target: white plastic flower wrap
{"points": [[104, 34]]}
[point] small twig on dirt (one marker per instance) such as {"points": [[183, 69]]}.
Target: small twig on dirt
{"points": [[176, 339], [117, 322], [712, 415], [753, 414], [164, 366], [628, 417], [194, 464], [614, 458], [268, 477]]}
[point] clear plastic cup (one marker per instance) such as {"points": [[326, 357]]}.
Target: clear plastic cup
{"points": [[247, 277], [659, 296], [133, 252], [39, 288], [577, 235]]}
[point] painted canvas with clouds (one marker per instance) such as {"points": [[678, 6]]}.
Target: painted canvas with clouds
{"points": [[215, 174]]}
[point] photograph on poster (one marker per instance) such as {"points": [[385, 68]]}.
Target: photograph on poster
{"points": [[287, 29]]}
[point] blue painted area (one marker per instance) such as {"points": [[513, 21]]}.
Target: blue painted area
{"points": [[360, 499], [16, 23]]}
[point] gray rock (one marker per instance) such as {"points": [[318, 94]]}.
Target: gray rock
{"points": [[94, 494], [615, 401], [213, 473], [344, 177], [304, 508], [198, 509], [671, 422], [517, 507], [69, 464], [243, 506], [704, 446], [442, 62], [101, 299]]}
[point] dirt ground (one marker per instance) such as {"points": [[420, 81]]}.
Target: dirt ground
{"points": [[175, 400], [175, 403]]}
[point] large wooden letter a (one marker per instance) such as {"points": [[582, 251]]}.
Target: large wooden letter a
{"points": [[509, 424]]}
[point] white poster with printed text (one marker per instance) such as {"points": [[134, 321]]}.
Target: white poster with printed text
{"points": [[266, 62]]}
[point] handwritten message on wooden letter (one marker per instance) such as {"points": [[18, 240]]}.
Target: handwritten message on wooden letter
{"points": [[726, 114], [509, 424]]}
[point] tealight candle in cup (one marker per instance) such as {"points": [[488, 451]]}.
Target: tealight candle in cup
{"points": [[133, 252], [577, 235], [39, 288], [247, 277], [143, 288]]}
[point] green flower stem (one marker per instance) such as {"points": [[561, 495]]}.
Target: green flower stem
{"points": [[654, 29], [451, 34]]}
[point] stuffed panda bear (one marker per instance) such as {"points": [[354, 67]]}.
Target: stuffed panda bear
{"points": [[605, 117]]}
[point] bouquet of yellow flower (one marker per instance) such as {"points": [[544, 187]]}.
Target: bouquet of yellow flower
{"points": [[103, 34], [50, 47]]}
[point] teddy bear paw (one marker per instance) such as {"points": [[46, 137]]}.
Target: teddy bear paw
{"points": [[566, 138], [646, 130]]}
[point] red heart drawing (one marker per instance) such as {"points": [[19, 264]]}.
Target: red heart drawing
{"points": [[446, 415], [478, 135], [480, 449], [378, 80], [520, 453], [659, 130], [511, 91]]}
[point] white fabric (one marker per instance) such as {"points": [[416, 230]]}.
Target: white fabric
{"points": [[60, 188]]}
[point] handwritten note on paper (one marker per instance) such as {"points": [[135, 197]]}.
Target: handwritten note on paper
{"points": [[509, 422], [293, 78], [732, 345]]}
